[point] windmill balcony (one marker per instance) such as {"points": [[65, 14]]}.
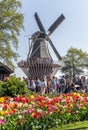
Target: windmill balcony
{"points": [[60, 63]]}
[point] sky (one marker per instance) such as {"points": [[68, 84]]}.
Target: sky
{"points": [[73, 32]]}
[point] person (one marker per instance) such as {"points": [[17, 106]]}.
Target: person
{"points": [[53, 81], [72, 87], [57, 85], [49, 85], [43, 86], [32, 85], [62, 82], [38, 84], [86, 85]]}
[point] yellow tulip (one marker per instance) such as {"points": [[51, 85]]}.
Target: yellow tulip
{"points": [[32, 97], [2, 99], [2, 112]]}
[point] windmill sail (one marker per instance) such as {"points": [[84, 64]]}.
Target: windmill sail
{"points": [[40, 25], [55, 51], [56, 24]]}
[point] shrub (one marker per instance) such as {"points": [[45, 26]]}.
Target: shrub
{"points": [[1, 89], [14, 86]]}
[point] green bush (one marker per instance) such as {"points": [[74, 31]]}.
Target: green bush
{"points": [[1, 89], [13, 87]]}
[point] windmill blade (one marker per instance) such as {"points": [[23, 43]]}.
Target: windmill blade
{"points": [[54, 49], [56, 24], [40, 25]]}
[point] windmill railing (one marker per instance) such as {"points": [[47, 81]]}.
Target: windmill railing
{"points": [[58, 63], [32, 61]]}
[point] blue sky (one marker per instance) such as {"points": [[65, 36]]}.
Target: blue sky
{"points": [[73, 32]]}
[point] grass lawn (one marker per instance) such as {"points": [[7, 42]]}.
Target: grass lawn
{"points": [[75, 126]]}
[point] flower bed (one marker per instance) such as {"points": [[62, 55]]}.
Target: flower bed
{"points": [[40, 113]]}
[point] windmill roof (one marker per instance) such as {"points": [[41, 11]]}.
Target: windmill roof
{"points": [[6, 67]]}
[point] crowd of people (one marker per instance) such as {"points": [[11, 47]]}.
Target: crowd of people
{"points": [[57, 85]]}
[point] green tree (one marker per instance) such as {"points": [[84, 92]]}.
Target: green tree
{"points": [[11, 21], [74, 62]]}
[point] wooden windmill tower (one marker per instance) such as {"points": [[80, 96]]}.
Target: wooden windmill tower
{"points": [[39, 61]]}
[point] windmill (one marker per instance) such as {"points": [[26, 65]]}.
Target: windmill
{"points": [[39, 61]]}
